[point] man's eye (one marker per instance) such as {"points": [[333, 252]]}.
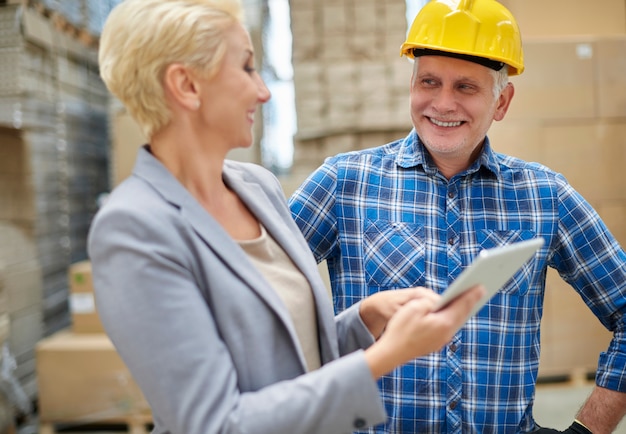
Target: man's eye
{"points": [[467, 88]]}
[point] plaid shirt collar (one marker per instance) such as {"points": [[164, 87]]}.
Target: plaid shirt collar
{"points": [[413, 153]]}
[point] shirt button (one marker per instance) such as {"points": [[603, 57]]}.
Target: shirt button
{"points": [[452, 405], [450, 194], [451, 241], [453, 347], [359, 422]]}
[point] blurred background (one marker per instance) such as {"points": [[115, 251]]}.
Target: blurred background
{"points": [[338, 84]]}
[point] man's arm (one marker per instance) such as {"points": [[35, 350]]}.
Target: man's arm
{"points": [[600, 278], [312, 208], [603, 410]]}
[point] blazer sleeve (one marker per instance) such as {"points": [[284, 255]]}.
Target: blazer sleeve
{"points": [[351, 331], [150, 305]]}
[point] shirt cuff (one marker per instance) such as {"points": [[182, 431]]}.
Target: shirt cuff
{"points": [[611, 372]]}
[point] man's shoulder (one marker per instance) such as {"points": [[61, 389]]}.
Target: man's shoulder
{"points": [[387, 151], [514, 164]]}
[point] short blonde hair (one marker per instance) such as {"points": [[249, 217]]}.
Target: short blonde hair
{"points": [[141, 38]]}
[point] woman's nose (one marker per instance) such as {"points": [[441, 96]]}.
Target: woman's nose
{"points": [[264, 92]]}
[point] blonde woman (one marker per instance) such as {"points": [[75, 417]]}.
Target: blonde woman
{"points": [[203, 281]]}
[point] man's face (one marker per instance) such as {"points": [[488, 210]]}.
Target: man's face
{"points": [[452, 107]]}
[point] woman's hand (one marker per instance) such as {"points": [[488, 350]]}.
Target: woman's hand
{"points": [[377, 309], [415, 329]]}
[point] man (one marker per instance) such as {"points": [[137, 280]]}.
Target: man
{"points": [[418, 210]]}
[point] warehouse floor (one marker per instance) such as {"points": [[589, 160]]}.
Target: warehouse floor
{"points": [[557, 404], [555, 407]]}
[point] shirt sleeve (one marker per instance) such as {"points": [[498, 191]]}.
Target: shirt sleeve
{"points": [[312, 207], [592, 261]]}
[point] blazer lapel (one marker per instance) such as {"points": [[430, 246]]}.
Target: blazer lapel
{"points": [[206, 227], [281, 228], [153, 172], [259, 204]]}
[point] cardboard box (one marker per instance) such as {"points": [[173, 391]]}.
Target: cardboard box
{"points": [[571, 336], [612, 213], [81, 378], [127, 137], [5, 327], [566, 17], [82, 302], [558, 82], [611, 61], [518, 138], [591, 154]]}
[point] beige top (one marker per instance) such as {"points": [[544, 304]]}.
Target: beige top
{"points": [[292, 287]]}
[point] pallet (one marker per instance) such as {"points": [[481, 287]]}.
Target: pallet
{"points": [[140, 424], [63, 25], [574, 377]]}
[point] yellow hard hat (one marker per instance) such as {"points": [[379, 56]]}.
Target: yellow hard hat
{"points": [[483, 31]]}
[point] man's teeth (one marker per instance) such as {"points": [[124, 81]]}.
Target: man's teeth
{"points": [[445, 124]]}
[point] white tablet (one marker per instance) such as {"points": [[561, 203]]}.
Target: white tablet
{"points": [[492, 268]]}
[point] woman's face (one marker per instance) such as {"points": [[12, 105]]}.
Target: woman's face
{"points": [[230, 99]]}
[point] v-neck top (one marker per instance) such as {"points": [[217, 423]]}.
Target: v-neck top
{"points": [[292, 287]]}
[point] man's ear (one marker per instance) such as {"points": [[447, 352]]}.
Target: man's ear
{"points": [[504, 101], [181, 85]]}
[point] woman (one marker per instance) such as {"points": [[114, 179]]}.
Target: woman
{"points": [[203, 281]]}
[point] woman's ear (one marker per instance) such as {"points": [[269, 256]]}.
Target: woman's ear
{"points": [[181, 85]]}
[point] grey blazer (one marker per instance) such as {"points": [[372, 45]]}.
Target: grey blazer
{"points": [[203, 334]]}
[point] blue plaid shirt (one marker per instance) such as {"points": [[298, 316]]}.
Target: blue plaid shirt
{"points": [[385, 218]]}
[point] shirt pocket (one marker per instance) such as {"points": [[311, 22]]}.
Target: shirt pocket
{"points": [[521, 280], [393, 254]]}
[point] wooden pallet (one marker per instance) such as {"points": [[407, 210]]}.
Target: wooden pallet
{"points": [[63, 25], [140, 424], [574, 377]]}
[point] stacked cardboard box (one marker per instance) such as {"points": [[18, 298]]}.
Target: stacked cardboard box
{"points": [[349, 79], [81, 377], [82, 381], [557, 18], [126, 138], [4, 311], [569, 113], [85, 318], [53, 165], [6, 416]]}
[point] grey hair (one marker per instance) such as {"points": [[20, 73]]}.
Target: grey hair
{"points": [[500, 78]]}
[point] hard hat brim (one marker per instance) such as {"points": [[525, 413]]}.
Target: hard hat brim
{"points": [[496, 65]]}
